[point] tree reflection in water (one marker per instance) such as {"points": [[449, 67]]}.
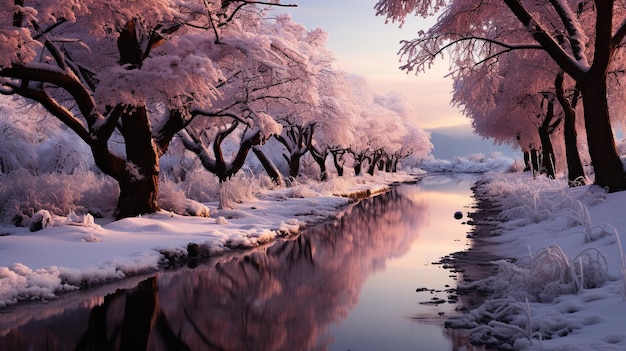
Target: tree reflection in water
{"points": [[282, 296]]}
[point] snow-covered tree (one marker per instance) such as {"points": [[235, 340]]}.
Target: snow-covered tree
{"points": [[336, 120], [255, 91], [582, 38], [504, 100], [383, 128], [101, 67], [302, 110]]}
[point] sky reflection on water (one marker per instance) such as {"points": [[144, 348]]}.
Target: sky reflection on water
{"points": [[391, 314]]}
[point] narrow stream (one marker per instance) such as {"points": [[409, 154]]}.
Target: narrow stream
{"points": [[365, 281]]}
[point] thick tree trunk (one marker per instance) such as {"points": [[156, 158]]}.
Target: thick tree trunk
{"points": [[139, 188], [138, 196], [608, 168]]}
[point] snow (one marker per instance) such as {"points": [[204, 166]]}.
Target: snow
{"points": [[560, 286], [75, 251]]}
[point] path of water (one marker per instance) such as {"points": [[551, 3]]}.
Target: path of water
{"points": [[365, 281]]}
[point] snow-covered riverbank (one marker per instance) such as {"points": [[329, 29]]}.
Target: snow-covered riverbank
{"points": [[564, 286], [77, 251]]}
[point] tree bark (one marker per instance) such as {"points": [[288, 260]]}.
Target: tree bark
{"points": [[547, 150], [337, 155], [320, 159], [534, 160], [139, 187], [139, 181], [269, 166], [575, 171], [608, 168]]}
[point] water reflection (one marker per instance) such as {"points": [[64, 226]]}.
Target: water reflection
{"points": [[284, 296]]}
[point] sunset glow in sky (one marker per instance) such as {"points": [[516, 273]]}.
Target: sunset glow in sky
{"points": [[365, 45]]}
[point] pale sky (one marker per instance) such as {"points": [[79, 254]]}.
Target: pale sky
{"points": [[363, 44]]}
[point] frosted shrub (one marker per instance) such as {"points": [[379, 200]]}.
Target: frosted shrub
{"points": [[23, 194], [171, 197], [201, 185], [591, 268], [548, 273], [240, 188], [505, 318], [98, 192], [510, 324], [579, 215], [519, 197]]}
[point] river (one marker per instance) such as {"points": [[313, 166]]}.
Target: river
{"points": [[370, 279]]}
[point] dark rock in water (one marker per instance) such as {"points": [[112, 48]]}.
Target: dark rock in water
{"points": [[458, 215]]}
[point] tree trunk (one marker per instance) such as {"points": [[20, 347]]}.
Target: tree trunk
{"points": [[139, 183], [608, 168], [139, 187], [320, 159], [337, 161], [548, 161], [527, 164], [547, 150], [534, 160], [269, 166], [575, 171], [294, 165]]}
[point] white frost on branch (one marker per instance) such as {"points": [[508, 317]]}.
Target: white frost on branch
{"points": [[267, 125]]}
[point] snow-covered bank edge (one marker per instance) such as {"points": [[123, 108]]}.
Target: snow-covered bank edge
{"points": [[563, 287], [73, 255]]}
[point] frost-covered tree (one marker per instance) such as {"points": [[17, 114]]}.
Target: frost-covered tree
{"points": [[383, 129], [582, 38], [255, 91], [504, 100], [302, 112], [408, 138], [336, 120], [102, 67]]}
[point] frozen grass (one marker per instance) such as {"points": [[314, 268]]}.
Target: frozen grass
{"points": [[561, 287]]}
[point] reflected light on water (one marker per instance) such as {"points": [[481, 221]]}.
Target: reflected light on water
{"points": [[391, 314]]}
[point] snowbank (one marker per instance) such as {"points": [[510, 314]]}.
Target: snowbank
{"points": [[564, 287], [74, 251], [475, 163]]}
